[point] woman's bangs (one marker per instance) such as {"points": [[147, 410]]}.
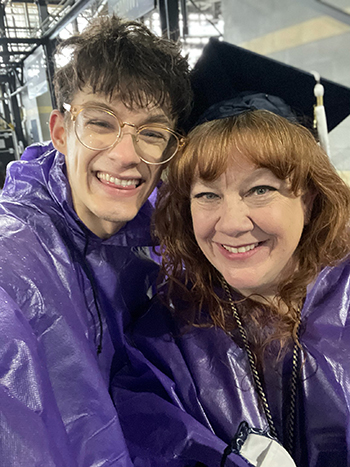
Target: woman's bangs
{"points": [[211, 148], [275, 147], [261, 137]]}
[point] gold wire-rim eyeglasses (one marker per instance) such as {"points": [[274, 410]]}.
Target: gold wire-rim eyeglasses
{"points": [[74, 112]]}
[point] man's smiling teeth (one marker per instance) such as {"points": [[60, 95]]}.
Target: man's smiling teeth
{"points": [[241, 249], [117, 181]]}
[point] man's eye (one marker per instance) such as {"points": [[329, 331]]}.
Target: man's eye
{"points": [[152, 135], [100, 124]]}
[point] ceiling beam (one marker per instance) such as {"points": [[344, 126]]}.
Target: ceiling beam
{"points": [[10, 53], [67, 18], [52, 2], [328, 10], [19, 40]]}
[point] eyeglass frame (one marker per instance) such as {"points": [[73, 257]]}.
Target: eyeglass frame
{"points": [[75, 112]]}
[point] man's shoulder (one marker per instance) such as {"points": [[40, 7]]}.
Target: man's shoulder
{"points": [[33, 183], [31, 210], [27, 237], [30, 221], [36, 150], [31, 170]]}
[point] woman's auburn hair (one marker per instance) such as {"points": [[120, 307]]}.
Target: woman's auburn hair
{"points": [[291, 152]]}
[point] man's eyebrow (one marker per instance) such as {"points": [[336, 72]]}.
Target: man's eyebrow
{"points": [[159, 118], [92, 103]]}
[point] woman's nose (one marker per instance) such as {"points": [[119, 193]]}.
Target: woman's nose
{"points": [[234, 218]]}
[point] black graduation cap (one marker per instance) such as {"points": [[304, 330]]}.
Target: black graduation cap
{"points": [[225, 71]]}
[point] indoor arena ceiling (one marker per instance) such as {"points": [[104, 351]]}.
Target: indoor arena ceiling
{"points": [[24, 25]]}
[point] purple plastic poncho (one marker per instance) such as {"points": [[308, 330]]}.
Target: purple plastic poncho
{"points": [[65, 293], [184, 389]]}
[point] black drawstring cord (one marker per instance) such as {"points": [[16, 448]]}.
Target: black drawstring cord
{"points": [[79, 257], [93, 286], [225, 455], [236, 443]]}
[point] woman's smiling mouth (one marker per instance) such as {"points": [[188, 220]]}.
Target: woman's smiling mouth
{"points": [[240, 249]]}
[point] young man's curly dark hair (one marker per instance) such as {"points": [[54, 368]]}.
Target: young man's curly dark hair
{"points": [[112, 56]]}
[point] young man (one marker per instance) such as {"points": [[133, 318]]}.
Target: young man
{"points": [[74, 230]]}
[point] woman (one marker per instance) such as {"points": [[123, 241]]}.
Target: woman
{"points": [[253, 225]]}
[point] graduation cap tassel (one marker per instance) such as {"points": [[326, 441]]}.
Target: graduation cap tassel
{"points": [[320, 121]]}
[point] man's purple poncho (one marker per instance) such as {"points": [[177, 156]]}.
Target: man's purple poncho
{"points": [[64, 292]]}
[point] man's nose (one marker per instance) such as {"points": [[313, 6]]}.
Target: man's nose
{"points": [[124, 150], [234, 218]]}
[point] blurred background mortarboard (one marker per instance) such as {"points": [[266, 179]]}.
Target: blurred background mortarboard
{"points": [[225, 71]]}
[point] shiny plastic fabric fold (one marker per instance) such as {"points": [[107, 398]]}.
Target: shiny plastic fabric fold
{"points": [[64, 292], [200, 382]]}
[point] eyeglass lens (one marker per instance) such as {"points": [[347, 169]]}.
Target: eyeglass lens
{"points": [[99, 130]]}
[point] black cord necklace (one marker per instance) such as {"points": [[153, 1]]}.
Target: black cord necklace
{"points": [[256, 377]]}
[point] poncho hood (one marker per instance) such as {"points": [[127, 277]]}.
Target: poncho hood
{"points": [[39, 180]]}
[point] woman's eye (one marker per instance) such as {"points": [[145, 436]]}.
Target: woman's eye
{"points": [[206, 196], [261, 190]]}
